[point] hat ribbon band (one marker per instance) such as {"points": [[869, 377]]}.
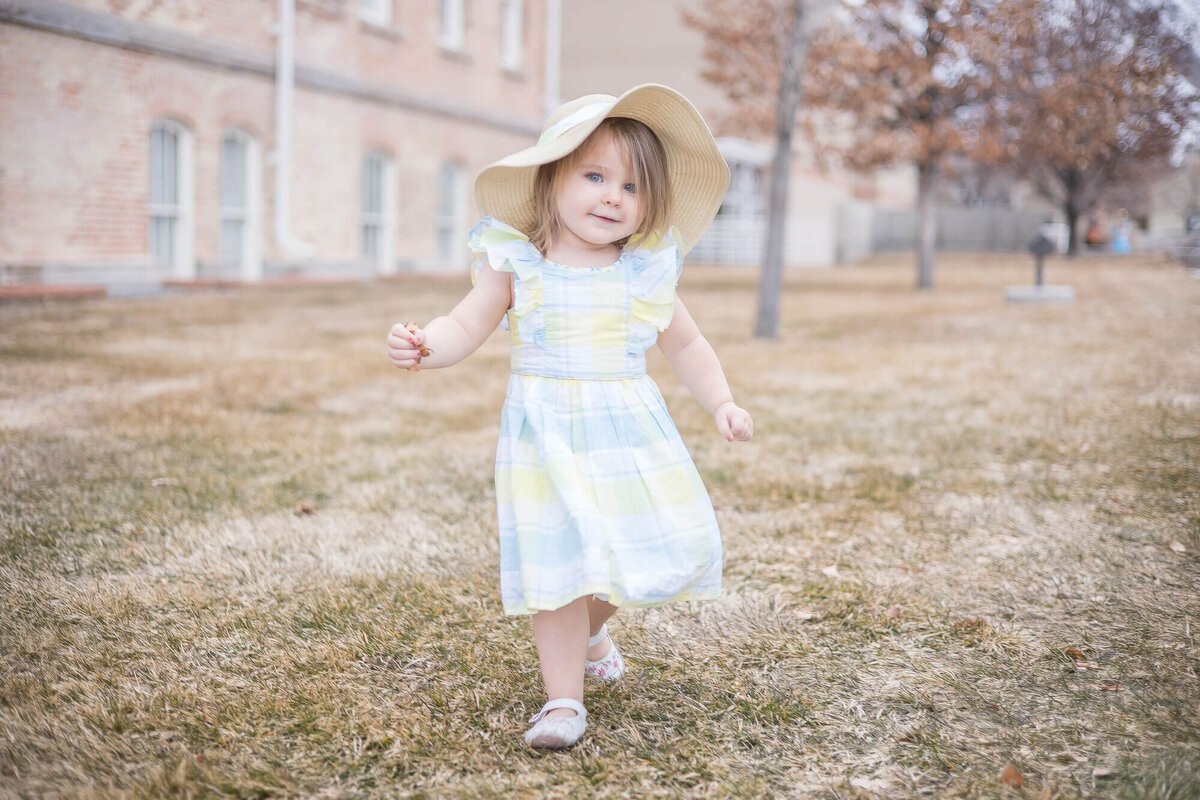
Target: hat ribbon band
{"points": [[571, 120]]}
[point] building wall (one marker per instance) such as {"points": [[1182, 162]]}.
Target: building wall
{"points": [[658, 49], [74, 186], [1174, 198]]}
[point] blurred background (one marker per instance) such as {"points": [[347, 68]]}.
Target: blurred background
{"points": [[151, 143]]}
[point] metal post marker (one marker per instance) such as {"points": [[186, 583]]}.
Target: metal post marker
{"points": [[1040, 292]]}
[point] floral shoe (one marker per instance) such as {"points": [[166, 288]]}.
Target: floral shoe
{"points": [[609, 668], [556, 733]]}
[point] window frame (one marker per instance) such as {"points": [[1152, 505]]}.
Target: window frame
{"points": [[249, 258], [381, 13], [381, 217], [180, 261], [512, 35], [448, 214], [452, 25]]}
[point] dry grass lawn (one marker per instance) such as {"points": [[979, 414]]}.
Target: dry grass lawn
{"points": [[966, 535]]}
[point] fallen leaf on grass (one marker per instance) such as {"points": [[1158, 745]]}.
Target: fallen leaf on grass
{"points": [[1177, 546], [158, 482], [305, 508], [830, 571], [971, 626], [1011, 776], [1105, 773], [1109, 687], [1075, 653], [1086, 665], [892, 612]]}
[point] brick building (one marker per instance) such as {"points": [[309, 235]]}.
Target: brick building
{"points": [[143, 140]]}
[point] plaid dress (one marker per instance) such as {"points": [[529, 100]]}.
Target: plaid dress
{"points": [[595, 491]]}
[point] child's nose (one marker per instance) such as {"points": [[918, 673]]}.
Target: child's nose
{"points": [[612, 195]]}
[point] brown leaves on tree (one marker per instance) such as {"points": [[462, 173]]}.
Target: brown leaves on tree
{"points": [[903, 83], [878, 87], [744, 43], [1094, 95]]}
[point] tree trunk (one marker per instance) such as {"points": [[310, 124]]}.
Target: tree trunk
{"points": [[926, 224], [767, 321], [1071, 212], [1072, 190]]}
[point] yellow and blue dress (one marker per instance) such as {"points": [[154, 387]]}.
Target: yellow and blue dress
{"points": [[595, 491]]}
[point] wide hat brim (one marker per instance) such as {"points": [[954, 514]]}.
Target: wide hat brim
{"points": [[697, 173]]}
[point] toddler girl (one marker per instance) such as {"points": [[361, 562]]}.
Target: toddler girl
{"points": [[599, 503]]}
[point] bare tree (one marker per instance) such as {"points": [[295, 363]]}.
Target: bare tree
{"points": [[905, 82], [757, 50], [891, 82], [1095, 97], [977, 185]]}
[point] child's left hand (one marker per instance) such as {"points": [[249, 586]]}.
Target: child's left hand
{"points": [[734, 422]]}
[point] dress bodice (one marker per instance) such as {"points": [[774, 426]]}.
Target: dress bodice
{"points": [[581, 323]]}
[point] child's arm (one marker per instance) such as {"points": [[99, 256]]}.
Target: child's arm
{"points": [[455, 336], [696, 364]]}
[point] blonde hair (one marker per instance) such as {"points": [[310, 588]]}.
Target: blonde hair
{"points": [[648, 160]]}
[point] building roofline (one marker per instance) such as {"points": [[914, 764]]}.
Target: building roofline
{"points": [[106, 29]]}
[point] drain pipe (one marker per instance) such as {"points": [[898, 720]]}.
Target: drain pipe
{"points": [[282, 157]]}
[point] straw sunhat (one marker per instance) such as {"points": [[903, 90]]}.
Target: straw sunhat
{"points": [[697, 173]]}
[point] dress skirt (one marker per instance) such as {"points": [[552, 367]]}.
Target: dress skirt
{"points": [[597, 494]]}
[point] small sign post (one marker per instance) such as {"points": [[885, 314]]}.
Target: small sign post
{"points": [[1040, 247], [1040, 292]]}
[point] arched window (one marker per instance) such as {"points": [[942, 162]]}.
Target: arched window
{"points": [[378, 212], [451, 24], [240, 195], [376, 12], [171, 233], [449, 213], [512, 34]]}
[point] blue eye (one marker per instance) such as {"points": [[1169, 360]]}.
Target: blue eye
{"points": [[594, 177], [629, 187]]}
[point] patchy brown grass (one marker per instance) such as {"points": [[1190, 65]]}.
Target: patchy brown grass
{"points": [[965, 536]]}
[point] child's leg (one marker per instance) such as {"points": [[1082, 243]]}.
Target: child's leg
{"points": [[598, 613], [561, 637]]}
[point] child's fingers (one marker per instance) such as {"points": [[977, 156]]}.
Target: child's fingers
{"points": [[402, 361], [403, 353], [742, 427], [399, 333]]}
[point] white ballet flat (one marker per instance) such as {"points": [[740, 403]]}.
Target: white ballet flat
{"points": [[556, 733], [609, 668]]}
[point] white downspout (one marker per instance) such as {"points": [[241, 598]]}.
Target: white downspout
{"points": [[282, 157], [553, 54]]}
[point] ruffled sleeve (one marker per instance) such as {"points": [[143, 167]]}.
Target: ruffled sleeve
{"points": [[655, 265], [505, 249]]}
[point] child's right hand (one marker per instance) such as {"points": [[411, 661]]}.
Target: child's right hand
{"points": [[734, 422], [406, 346]]}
